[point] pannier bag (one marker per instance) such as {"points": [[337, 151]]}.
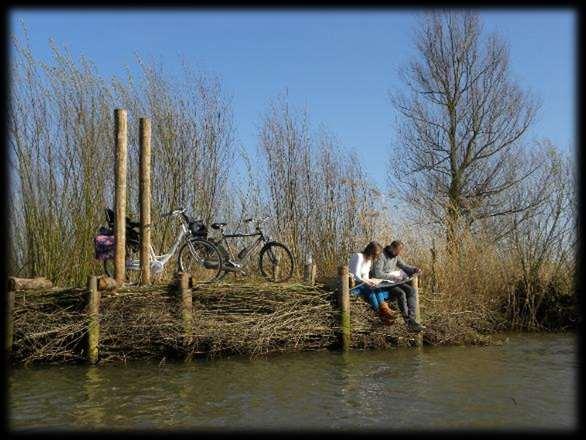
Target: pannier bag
{"points": [[104, 246]]}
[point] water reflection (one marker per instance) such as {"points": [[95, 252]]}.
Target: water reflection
{"points": [[529, 382]]}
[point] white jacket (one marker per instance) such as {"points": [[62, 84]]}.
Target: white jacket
{"points": [[359, 267]]}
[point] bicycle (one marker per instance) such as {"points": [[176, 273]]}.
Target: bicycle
{"points": [[275, 261], [195, 256]]}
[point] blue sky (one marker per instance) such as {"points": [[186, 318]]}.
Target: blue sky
{"points": [[341, 64]]}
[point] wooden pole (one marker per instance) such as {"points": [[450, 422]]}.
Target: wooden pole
{"points": [[145, 199], [29, 283], [344, 305], [9, 321], [186, 306], [313, 273], [433, 264], [94, 320], [415, 284], [307, 273], [121, 155]]}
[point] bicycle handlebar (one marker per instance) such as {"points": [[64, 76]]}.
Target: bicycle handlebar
{"points": [[174, 212], [259, 220]]}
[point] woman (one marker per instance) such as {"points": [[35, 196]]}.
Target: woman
{"points": [[359, 268]]}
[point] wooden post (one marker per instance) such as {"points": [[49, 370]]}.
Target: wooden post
{"points": [[344, 305], [145, 199], [29, 283], [186, 305], [415, 284], [433, 264], [9, 321], [309, 270], [306, 273], [121, 153], [276, 272], [94, 320]]}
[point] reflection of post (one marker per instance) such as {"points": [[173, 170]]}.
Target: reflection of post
{"points": [[94, 319], [145, 199], [91, 412], [415, 284], [121, 132], [9, 321], [344, 305]]}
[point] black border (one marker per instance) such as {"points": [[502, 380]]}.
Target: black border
{"points": [[237, 6]]}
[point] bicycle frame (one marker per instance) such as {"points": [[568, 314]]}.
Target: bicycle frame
{"points": [[247, 250], [164, 258]]}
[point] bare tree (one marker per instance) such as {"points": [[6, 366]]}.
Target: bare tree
{"points": [[461, 124]]}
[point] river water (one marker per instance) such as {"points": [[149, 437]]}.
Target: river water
{"points": [[527, 383]]}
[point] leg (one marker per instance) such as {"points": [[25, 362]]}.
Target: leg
{"points": [[370, 296], [399, 295], [411, 297]]}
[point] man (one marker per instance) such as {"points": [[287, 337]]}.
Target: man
{"points": [[383, 267]]}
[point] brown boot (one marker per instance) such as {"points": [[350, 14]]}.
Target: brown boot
{"points": [[387, 315], [387, 311]]}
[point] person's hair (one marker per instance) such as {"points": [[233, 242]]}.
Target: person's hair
{"points": [[395, 244], [372, 250]]}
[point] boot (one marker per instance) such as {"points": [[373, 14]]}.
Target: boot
{"points": [[387, 311], [387, 315], [413, 326]]}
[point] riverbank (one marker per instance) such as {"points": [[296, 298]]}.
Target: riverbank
{"points": [[250, 319]]}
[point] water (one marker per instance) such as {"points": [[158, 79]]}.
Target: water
{"points": [[527, 383]]}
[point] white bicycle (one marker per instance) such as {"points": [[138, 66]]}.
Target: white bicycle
{"points": [[196, 255]]}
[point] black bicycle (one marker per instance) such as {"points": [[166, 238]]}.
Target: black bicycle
{"points": [[275, 260]]}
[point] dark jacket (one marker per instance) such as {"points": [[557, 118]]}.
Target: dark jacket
{"points": [[387, 262]]}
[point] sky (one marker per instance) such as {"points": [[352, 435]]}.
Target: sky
{"points": [[340, 65]]}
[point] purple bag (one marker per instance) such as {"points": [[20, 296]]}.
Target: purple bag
{"points": [[104, 246]]}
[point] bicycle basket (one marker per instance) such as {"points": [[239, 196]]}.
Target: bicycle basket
{"points": [[198, 229]]}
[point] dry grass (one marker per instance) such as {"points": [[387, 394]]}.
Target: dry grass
{"points": [[249, 319]]}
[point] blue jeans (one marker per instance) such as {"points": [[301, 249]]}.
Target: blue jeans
{"points": [[374, 298]]}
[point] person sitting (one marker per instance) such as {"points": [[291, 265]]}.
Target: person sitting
{"points": [[389, 266], [359, 269]]}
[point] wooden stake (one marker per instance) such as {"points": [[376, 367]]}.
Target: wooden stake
{"points": [[186, 306], [94, 320], [344, 305], [121, 154], [415, 284], [9, 321], [306, 273], [145, 199], [29, 283]]}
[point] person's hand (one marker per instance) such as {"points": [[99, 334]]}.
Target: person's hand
{"points": [[417, 271], [370, 283]]}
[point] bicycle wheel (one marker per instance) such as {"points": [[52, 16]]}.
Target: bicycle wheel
{"points": [[201, 259], [225, 257], [276, 262]]}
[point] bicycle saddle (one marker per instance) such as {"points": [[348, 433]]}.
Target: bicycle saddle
{"points": [[218, 225]]}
